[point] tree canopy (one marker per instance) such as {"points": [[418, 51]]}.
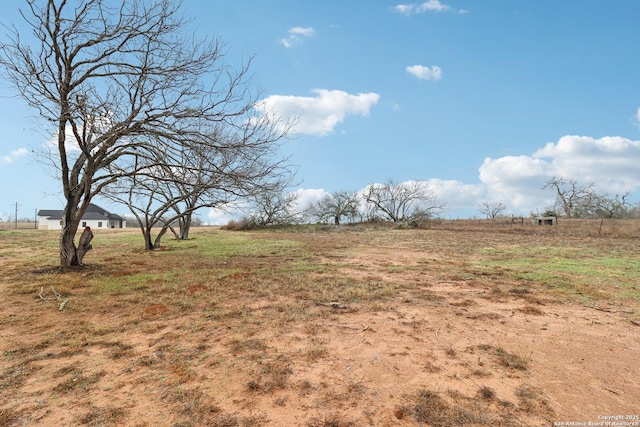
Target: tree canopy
{"points": [[130, 93]]}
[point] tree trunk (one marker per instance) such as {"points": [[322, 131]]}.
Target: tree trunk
{"points": [[176, 235], [185, 226], [68, 250], [148, 244], [156, 244], [70, 254], [85, 244]]}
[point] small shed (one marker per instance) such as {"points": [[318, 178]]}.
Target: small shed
{"points": [[544, 220]]}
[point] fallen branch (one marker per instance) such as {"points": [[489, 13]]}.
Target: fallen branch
{"points": [[606, 310], [333, 304], [357, 330], [56, 297], [612, 391], [63, 304]]}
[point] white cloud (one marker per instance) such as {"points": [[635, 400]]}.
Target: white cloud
{"points": [[434, 6], [70, 141], [425, 73], [456, 194], [307, 196], [609, 162], [457, 197], [427, 6], [405, 9], [320, 114], [224, 214], [297, 35], [515, 168], [238, 210], [516, 181], [13, 155]]}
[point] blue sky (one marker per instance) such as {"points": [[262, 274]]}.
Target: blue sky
{"points": [[483, 100]]}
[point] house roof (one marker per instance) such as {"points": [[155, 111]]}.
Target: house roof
{"points": [[93, 212], [50, 213]]}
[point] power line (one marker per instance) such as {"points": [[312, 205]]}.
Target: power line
{"points": [[16, 217]]}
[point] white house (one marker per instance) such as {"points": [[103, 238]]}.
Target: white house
{"points": [[94, 217]]}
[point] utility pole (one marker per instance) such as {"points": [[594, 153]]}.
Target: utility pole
{"points": [[16, 217]]}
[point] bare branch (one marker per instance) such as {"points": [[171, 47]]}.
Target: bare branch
{"points": [[402, 202], [333, 207], [491, 209], [128, 93]]}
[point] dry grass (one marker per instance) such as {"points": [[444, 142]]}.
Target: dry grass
{"points": [[617, 228], [429, 407], [336, 327], [21, 225], [486, 393]]}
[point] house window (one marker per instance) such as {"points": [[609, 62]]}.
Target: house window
{"points": [[99, 224], [84, 223]]}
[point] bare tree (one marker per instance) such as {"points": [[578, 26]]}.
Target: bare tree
{"points": [[333, 207], [150, 198], [491, 209], [228, 166], [570, 196], [275, 207], [633, 210], [579, 201], [406, 201], [606, 206], [119, 81], [243, 164]]}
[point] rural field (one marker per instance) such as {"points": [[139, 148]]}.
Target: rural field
{"points": [[472, 323]]}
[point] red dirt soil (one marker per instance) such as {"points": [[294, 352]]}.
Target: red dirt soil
{"points": [[506, 358]]}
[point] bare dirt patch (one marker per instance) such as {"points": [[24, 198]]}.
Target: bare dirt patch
{"points": [[382, 327]]}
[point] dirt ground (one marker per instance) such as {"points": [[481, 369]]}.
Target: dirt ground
{"points": [[444, 348]]}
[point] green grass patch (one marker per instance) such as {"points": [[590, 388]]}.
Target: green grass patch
{"points": [[222, 244], [579, 272]]}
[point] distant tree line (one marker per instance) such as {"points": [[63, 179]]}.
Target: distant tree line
{"points": [[410, 203], [414, 204], [157, 120], [574, 200]]}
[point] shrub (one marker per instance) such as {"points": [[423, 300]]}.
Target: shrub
{"points": [[243, 224]]}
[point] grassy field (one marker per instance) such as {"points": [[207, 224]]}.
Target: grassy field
{"points": [[458, 325], [22, 225]]}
